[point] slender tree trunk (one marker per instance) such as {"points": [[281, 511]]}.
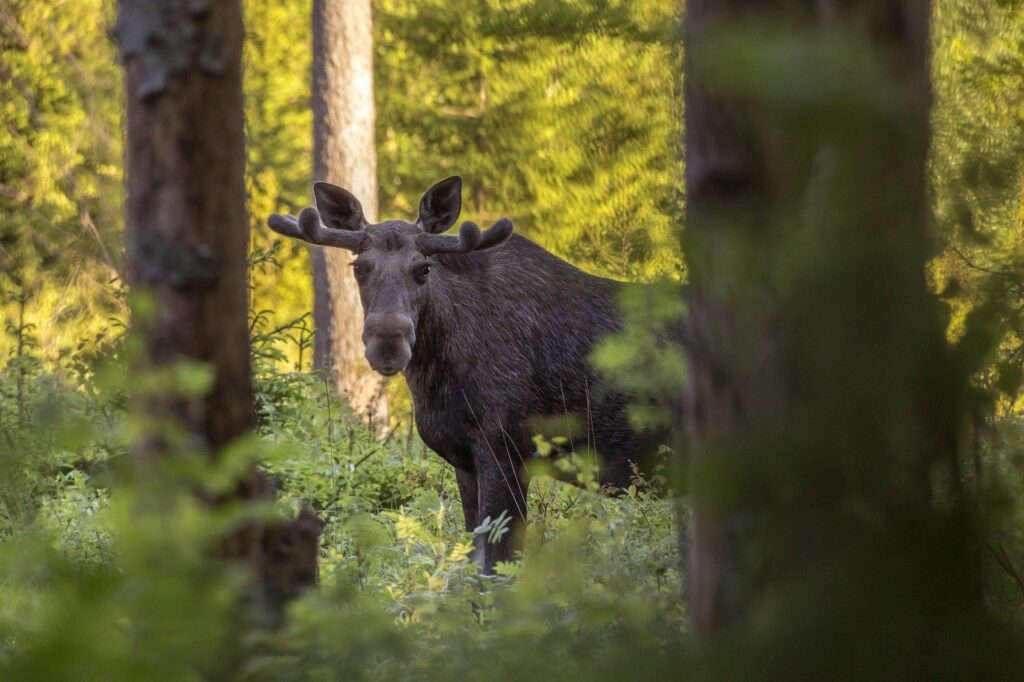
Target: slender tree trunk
{"points": [[187, 243], [345, 154], [820, 375]]}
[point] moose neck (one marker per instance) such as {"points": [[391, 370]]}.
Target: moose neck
{"points": [[446, 319]]}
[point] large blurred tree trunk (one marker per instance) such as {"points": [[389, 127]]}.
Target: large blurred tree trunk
{"points": [[345, 154], [187, 244], [827, 408]]}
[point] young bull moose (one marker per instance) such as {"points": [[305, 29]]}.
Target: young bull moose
{"points": [[490, 331]]}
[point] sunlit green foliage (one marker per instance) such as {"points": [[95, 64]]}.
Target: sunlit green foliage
{"points": [[978, 179], [570, 134], [977, 172], [60, 169], [279, 145]]}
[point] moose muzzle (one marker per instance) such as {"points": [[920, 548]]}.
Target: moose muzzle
{"points": [[388, 339]]}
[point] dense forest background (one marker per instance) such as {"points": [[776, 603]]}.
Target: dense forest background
{"points": [[569, 134], [566, 117], [573, 133]]}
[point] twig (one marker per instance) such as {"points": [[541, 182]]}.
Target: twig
{"points": [[1006, 564]]}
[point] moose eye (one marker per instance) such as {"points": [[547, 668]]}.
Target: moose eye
{"points": [[360, 270], [421, 272]]}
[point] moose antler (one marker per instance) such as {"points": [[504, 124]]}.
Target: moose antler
{"points": [[308, 228], [470, 238]]}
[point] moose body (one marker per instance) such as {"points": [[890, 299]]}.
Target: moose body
{"points": [[491, 332]]}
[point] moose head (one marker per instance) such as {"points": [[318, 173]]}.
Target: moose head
{"points": [[393, 260]]}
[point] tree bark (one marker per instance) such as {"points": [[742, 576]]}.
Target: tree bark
{"points": [[187, 246], [345, 154], [820, 352]]}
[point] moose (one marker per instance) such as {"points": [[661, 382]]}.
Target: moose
{"points": [[490, 331]]}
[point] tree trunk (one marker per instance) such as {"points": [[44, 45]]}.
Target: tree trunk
{"points": [[345, 154], [187, 241], [821, 378]]}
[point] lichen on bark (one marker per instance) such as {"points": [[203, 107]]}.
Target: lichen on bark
{"points": [[168, 37]]}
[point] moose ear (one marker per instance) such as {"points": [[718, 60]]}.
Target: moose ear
{"points": [[338, 208], [441, 205]]}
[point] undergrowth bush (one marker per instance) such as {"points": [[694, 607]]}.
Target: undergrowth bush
{"points": [[106, 569]]}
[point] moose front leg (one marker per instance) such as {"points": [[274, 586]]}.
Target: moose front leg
{"points": [[470, 494], [502, 489]]}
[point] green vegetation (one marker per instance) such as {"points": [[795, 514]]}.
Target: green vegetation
{"points": [[60, 170], [565, 116], [978, 183], [572, 138], [978, 180], [84, 539], [571, 135]]}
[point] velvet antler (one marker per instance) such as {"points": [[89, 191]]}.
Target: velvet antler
{"points": [[470, 238], [308, 228]]}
